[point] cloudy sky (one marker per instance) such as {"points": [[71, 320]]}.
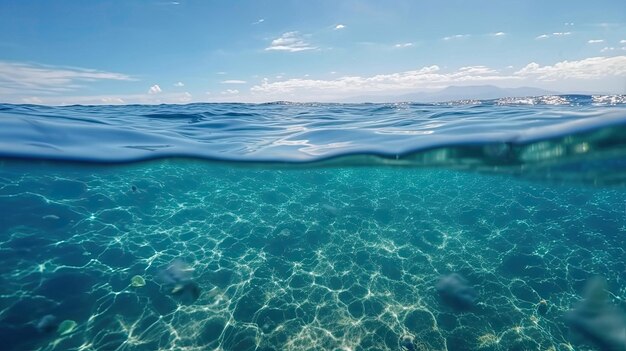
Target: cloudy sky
{"points": [[157, 51]]}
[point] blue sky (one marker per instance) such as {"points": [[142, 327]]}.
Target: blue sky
{"points": [[57, 52]]}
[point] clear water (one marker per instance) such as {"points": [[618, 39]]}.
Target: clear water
{"points": [[527, 202]]}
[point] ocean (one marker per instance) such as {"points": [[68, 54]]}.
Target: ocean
{"points": [[468, 225]]}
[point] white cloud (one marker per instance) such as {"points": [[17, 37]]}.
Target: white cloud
{"points": [[600, 73], [290, 42], [259, 21], [595, 41], [622, 41], [230, 92], [155, 89], [179, 84], [498, 34], [403, 45], [555, 34], [477, 70], [457, 36], [590, 68], [112, 100], [433, 77], [340, 26], [221, 73], [19, 77], [426, 77], [185, 97], [233, 81], [32, 100], [607, 48], [568, 23]]}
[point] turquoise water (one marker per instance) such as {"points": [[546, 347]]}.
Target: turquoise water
{"points": [[342, 255]]}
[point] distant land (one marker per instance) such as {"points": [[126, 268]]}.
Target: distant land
{"points": [[451, 93]]}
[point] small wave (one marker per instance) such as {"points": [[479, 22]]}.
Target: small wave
{"points": [[509, 132], [608, 99], [535, 100]]}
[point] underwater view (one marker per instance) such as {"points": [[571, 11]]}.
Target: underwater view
{"points": [[473, 225]]}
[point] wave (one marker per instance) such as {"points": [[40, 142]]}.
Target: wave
{"points": [[505, 135]]}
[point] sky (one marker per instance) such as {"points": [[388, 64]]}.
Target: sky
{"points": [[157, 51]]}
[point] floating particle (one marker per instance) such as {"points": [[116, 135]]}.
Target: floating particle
{"points": [[598, 321], [47, 324], [176, 272], [455, 291], [177, 279], [332, 210], [137, 281], [66, 327]]}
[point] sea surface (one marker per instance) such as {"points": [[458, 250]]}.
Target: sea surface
{"points": [[288, 226]]}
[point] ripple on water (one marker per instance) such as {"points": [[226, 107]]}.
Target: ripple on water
{"points": [[337, 258]]}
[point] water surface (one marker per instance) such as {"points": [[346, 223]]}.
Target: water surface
{"points": [[527, 202]]}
